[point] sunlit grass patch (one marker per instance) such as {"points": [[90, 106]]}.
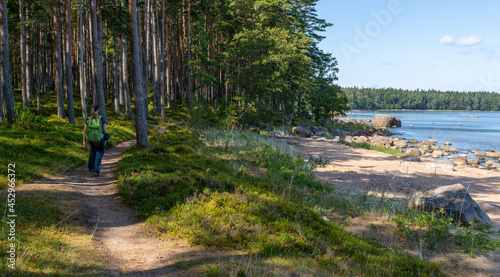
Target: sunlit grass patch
{"points": [[47, 242]]}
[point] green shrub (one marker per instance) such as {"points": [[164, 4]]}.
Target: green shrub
{"points": [[26, 120]]}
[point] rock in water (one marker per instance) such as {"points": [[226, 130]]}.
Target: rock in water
{"points": [[381, 120], [455, 200]]}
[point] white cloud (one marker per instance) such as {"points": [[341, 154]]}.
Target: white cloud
{"points": [[447, 39], [465, 41], [470, 40], [494, 55]]}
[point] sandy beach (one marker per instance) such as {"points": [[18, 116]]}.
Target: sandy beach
{"points": [[357, 169]]}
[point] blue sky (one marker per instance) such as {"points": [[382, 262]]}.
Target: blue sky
{"points": [[410, 44]]}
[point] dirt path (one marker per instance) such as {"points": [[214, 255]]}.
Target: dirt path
{"points": [[129, 250]]}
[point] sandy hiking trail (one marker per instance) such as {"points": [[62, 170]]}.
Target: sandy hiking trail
{"points": [[124, 242]]}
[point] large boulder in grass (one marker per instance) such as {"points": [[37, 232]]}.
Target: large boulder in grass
{"points": [[301, 132], [382, 120], [455, 200]]}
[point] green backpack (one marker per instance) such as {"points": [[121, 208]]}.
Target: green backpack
{"points": [[94, 130]]}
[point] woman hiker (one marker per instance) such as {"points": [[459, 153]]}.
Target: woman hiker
{"points": [[94, 132]]}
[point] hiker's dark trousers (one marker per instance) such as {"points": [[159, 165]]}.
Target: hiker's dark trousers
{"points": [[95, 157]]}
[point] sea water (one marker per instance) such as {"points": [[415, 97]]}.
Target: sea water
{"points": [[465, 130]]}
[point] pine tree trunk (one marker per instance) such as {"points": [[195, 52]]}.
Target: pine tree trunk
{"points": [[69, 68], [144, 89], [140, 109], [23, 55], [8, 96], [29, 59], [121, 94], [96, 47], [82, 69], [38, 69], [162, 64], [116, 93], [2, 116], [45, 77], [58, 61], [167, 67], [147, 35], [189, 42], [126, 86], [154, 53]]}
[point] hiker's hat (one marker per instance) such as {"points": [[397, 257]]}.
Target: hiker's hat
{"points": [[95, 107]]}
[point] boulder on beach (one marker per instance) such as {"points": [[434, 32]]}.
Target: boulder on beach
{"points": [[459, 160], [492, 165], [349, 139], [425, 149], [361, 139], [437, 154], [384, 121], [382, 141], [413, 152], [400, 143], [301, 132], [473, 162], [455, 200]]}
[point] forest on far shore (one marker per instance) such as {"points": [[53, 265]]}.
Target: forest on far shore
{"points": [[392, 98]]}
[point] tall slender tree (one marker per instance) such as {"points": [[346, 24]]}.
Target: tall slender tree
{"points": [[69, 63], [140, 109], [162, 63], [80, 45], [58, 57], [8, 96], [23, 54], [98, 69]]}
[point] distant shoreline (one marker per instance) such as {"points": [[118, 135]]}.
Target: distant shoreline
{"points": [[410, 110]]}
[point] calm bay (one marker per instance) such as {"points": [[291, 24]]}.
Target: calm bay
{"points": [[465, 133]]}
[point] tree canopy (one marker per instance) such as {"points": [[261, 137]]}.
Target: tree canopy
{"points": [[260, 54]]}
